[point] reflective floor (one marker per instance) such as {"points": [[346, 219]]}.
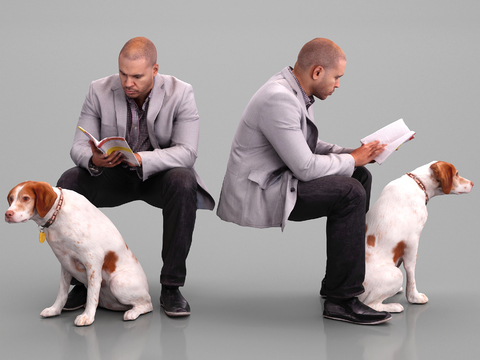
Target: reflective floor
{"points": [[232, 325]]}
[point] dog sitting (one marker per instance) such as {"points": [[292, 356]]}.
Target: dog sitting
{"points": [[89, 248], [393, 227]]}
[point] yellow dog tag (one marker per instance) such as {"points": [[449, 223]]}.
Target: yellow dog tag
{"points": [[42, 237]]}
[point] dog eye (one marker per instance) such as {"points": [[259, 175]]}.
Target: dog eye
{"points": [[25, 198]]}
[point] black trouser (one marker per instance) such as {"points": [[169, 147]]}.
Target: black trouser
{"points": [[344, 201], [174, 191]]}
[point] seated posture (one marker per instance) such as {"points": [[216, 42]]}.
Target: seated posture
{"points": [[88, 246], [394, 225], [158, 117], [279, 170]]}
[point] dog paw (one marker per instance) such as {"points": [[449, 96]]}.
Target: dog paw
{"points": [[393, 308], [131, 314], [417, 298], [84, 320], [51, 311], [136, 311]]}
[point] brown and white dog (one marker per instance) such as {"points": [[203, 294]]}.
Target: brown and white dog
{"points": [[89, 248], [394, 225]]}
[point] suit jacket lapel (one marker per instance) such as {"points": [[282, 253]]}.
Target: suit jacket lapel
{"points": [[310, 130], [120, 110], [156, 102]]}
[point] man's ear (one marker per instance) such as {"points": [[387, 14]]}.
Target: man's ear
{"points": [[317, 72]]}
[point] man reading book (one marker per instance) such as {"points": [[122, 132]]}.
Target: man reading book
{"points": [[279, 170], [157, 116]]}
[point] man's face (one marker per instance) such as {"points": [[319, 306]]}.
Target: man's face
{"points": [[137, 77], [328, 80]]}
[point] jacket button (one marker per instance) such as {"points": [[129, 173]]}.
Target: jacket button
{"points": [[292, 189]]}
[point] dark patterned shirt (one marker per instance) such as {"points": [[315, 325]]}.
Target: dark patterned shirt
{"points": [[137, 131], [309, 100]]}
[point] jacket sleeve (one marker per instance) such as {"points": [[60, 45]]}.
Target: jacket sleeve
{"points": [[280, 123], [326, 148], [90, 119], [182, 151]]}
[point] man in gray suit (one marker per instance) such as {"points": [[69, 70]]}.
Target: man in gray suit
{"points": [[279, 170], [158, 117]]}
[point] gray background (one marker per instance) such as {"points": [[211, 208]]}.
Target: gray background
{"points": [[254, 293]]}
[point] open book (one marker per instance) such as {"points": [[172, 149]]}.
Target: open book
{"points": [[111, 144], [394, 134]]}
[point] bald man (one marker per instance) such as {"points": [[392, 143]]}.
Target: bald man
{"points": [[279, 170], [158, 117]]}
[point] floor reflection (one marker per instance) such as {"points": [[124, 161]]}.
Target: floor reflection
{"points": [[172, 337], [394, 339], [118, 339]]}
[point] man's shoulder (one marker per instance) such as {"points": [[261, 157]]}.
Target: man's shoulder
{"points": [[171, 83], [108, 83], [277, 87], [279, 83]]}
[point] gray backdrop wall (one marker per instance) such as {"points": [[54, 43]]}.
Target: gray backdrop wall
{"points": [[416, 60]]}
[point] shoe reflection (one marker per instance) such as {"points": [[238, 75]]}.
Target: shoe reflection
{"points": [[394, 339], [172, 337]]}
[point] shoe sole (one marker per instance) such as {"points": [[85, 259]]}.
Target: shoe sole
{"points": [[357, 322], [175, 314]]}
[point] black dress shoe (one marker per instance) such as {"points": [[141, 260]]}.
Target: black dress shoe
{"points": [[173, 303], [353, 311], [77, 298]]}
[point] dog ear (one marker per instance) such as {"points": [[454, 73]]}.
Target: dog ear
{"points": [[444, 172], [45, 197]]}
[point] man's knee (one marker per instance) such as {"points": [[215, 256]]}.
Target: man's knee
{"points": [[181, 178], [354, 190], [363, 175], [72, 178]]}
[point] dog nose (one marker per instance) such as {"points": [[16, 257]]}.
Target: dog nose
{"points": [[9, 213]]}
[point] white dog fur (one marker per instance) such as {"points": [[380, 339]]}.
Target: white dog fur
{"points": [[393, 227], [89, 248]]}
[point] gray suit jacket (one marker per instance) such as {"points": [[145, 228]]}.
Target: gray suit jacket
{"points": [[172, 119], [271, 152]]}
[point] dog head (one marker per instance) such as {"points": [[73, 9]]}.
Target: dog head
{"points": [[28, 199], [449, 181]]}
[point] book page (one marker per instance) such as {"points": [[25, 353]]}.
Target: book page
{"points": [[394, 135], [113, 143], [95, 141], [389, 133]]}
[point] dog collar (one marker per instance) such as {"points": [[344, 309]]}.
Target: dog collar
{"points": [[52, 219], [421, 185]]}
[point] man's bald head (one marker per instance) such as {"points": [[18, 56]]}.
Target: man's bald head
{"points": [[138, 48], [319, 52]]}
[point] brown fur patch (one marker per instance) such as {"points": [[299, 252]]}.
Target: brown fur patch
{"points": [[41, 193], [371, 240], [398, 251], [444, 172], [110, 262]]}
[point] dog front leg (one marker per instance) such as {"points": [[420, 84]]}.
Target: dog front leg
{"points": [[93, 293], [62, 296], [409, 263]]}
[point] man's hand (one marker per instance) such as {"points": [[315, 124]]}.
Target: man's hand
{"points": [[367, 152], [103, 160], [139, 159]]}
